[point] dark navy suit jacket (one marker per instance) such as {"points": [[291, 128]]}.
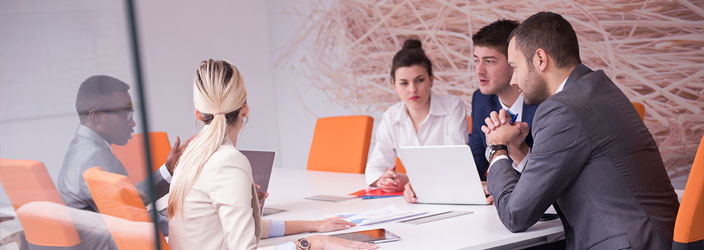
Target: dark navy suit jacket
{"points": [[482, 105]]}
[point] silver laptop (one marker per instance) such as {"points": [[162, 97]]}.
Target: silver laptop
{"points": [[262, 163], [443, 174]]}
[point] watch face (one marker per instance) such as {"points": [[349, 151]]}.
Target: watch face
{"points": [[303, 243], [487, 153]]}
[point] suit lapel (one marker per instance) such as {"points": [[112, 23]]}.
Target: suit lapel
{"points": [[495, 104]]}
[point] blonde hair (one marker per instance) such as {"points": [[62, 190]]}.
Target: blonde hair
{"points": [[219, 94]]}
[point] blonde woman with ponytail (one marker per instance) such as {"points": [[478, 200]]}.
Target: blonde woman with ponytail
{"points": [[213, 202]]}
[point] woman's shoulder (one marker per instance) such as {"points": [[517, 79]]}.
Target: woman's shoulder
{"points": [[392, 112], [228, 156]]}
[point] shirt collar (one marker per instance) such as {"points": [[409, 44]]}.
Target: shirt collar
{"points": [[561, 86], [518, 102], [516, 107], [436, 109], [89, 133]]}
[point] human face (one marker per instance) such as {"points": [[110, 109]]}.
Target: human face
{"points": [[412, 85], [116, 121], [492, 70], [532, 84]]}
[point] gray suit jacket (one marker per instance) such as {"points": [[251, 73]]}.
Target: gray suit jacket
{"points": [[88, 149], [594, 158]]}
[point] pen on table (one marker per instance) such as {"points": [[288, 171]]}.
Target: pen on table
{"points": [[377, 197], [513, 116]]}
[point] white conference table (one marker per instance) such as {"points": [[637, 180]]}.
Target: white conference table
{"points": [[481, 229]]}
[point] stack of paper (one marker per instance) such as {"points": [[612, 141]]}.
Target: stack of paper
{"points": [[385, 214]]}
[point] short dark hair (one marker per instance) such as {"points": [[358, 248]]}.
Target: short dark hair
{"points": [[93, 89], [495, 35], [551, 32], [411, 54]]}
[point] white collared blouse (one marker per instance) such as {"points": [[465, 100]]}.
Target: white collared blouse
{"points": [[446, 124]]}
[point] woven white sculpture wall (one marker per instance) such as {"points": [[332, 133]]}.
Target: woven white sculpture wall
{"points": [[653, 50]]}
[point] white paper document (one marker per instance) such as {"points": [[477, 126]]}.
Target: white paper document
{"points": [[385, 214]]}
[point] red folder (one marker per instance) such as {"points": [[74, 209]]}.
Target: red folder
{"points": [[375, 192]]}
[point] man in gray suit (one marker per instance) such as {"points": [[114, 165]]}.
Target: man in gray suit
{"points": [[592, 155], [105, 111]]}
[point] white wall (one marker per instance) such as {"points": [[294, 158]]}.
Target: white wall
{"points": [[300, 103], [177, 36], [48, 48]]}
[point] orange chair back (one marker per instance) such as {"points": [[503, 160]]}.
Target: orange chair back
{"points": [[640, 108], [399, 166], [341, 144], [116, 196], [27, 181], [689, 225], [132, 155], [469, 122]]}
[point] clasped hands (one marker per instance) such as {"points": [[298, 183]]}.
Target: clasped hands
{"points": [[500, 131]]}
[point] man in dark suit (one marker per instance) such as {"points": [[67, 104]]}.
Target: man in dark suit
{"points": [[495, 91], [592, 155], [105, 112]]}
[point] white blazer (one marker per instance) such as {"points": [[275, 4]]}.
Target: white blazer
{"points": [[446, 124], [221, 211]]}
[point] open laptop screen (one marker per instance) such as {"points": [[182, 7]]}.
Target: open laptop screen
{"points": [[262, 163]]}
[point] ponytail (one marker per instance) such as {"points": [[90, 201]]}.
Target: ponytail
{"points": [[219, 94]]}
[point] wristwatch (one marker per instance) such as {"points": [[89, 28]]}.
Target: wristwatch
{"points": [[492, 149], [304, 244]]}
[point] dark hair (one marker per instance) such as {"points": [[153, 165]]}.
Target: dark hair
{"points": [[495, 35], [411, 54], [230, 118], [551, 32], [95, 88]]}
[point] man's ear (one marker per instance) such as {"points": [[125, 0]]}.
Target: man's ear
{"points": [[199, 115], [95, 116], [541, 60]]}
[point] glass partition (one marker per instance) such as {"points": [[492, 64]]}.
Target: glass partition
{"points": [[74, 170]]}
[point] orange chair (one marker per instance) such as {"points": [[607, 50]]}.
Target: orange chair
{"points": [[116, 196], [27, 181], [689, 225], [640, 108], [132, 155], [469, 122], [341, 144]]}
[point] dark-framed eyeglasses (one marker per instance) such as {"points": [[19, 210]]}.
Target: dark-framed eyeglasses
{"points": [[126, 112]]}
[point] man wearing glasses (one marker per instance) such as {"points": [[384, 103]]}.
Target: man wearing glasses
{"points": [[105, 110]]}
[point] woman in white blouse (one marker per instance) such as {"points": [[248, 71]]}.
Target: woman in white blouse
{"points": [[420, 119], [213, 202]]}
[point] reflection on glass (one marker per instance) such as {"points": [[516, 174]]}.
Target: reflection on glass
{"points": [[105, 112], [60, 115]]}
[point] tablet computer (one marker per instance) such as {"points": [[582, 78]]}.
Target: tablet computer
{"points": [[378, 235]]}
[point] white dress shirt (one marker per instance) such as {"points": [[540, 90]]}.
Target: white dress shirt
{"points": [[446, 124], [516, 107]]}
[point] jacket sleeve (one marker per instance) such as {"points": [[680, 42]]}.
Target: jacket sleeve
{"points": [[231, 195], [476, 143], [560, 151]]}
